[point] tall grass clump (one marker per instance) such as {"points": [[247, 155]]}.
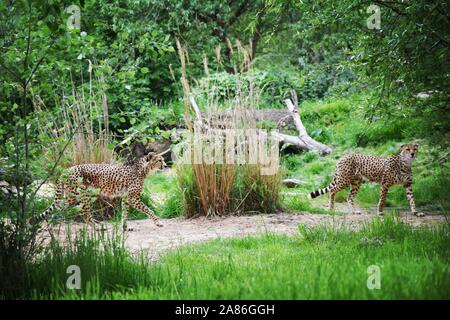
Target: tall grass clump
{"points": [[18, 247], [217, 177]]}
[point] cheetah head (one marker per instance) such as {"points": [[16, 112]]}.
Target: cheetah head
{"points": [[408, 152], [153, 162]]}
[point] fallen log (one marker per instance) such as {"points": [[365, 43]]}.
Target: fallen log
{"points": [[280, 118], [303, 141], [292, 182]]}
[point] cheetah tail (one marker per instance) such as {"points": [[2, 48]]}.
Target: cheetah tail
{"points": [[320, 192], [43, 215]]}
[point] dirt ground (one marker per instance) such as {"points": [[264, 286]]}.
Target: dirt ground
{"points": [[146, 236]]}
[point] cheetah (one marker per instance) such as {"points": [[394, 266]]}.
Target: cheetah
{"points": [[113, 180], [353, 169]]}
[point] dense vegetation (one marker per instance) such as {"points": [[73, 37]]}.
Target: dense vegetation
{"points": [[86, 94]]}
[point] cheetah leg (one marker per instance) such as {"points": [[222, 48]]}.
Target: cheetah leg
{"points": [[333, 192], [86, 207], [331, 200], [354, 187], [136, 203], [72, 195], [76, 194], [125, 209], [383, 194], [412, 203], [85, 204]]}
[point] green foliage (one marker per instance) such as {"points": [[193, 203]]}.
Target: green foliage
{"points": [[147, 124], [104, 262], [405, 61], [266, 125], [255, 192], [276, 83], [134, 50], [173, 206]]}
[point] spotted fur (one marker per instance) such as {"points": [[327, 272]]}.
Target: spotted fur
{"points": [[354, 169], [113, 180]]}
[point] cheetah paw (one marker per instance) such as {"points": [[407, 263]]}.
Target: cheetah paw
{"points": [[357, 212], [381, 214], [419, 214], [159, 224]]}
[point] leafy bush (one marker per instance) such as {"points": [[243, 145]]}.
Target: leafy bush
{"points": [[275, 84], [147, 124]]}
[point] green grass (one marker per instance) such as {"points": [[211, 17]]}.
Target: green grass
{"points": [[296, 203], [319, 263]]}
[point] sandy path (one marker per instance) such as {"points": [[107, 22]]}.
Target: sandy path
{"points": [[145, 236]]}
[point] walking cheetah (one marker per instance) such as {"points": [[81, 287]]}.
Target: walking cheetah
{"points": [[353, 169], [113, 180]]}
